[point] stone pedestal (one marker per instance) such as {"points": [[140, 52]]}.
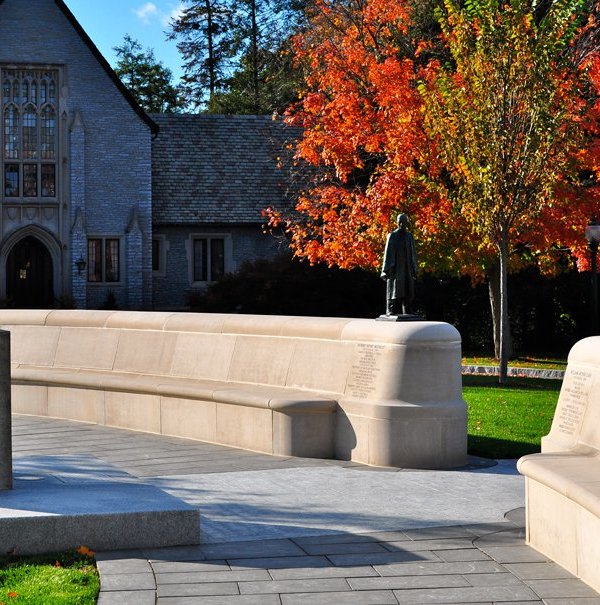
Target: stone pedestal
{"points": [[400, 317]]}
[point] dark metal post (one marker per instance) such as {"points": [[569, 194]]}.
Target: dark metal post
{"points": [[592, 234], [5, 413], [594, 249]]}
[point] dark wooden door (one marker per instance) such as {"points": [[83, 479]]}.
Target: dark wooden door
{"points": [[29, 276]]}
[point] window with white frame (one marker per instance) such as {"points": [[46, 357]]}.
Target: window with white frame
{"points": [[29, 132], [104, 260], [208, 258]]}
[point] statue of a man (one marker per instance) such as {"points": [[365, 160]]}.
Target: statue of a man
{"points": [[400, 269]]}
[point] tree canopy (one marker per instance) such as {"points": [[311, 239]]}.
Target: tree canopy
{"points": [[150, 82], [235, 54], [483, 129]]}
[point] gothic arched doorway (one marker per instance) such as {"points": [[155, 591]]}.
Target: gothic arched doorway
{"points": [[29, 275]]}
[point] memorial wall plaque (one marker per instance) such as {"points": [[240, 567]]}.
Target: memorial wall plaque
{"points": [[573, 400], [365, 370]]}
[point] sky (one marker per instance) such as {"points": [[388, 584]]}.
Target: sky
{"points": [[108, 21]]}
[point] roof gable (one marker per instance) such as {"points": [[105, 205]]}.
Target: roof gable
{"points": [[105, 65]]}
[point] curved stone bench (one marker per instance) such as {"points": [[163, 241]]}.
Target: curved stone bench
{"points": [[381, 393], [563, 482]]}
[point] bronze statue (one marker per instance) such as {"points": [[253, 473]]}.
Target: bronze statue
{"points": [[400, 269]]}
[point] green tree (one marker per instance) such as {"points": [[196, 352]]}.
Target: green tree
{"points": [[204, 40], [236, 53], [481, 135], [505, 120], [273, 90], [150, 82]]}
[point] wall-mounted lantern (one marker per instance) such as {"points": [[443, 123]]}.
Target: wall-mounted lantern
{"points": [[80, 264]]}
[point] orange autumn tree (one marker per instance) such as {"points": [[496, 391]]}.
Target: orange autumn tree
{"points": [[361, 121], [482, 148]]}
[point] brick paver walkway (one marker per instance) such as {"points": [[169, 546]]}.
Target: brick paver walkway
{"points": [[281, 531]]}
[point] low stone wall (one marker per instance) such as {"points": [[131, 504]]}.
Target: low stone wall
{"points": [[563, 482], [381, 393], [516, 372]]}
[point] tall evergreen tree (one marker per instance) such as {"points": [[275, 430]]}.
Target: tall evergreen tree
{"points": [[234, 53], [150, 82], [203, 32]]}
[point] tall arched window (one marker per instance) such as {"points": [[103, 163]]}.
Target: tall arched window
{"points": [[29, 133]]}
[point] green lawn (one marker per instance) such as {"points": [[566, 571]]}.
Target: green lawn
{"points": [[57, 579], [508, 421]]}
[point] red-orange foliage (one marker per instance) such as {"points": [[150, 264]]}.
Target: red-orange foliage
{"points": [[363, 121], [360, 114]]}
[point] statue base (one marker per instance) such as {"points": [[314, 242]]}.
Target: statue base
{"points": [[401, 317]]}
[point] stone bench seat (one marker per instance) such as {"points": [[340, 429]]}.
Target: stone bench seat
{"points": [[380, 393], [275, 398], [575, 477], [563, 481]]}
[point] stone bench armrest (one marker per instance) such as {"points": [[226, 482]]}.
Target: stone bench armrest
{"points": [[575, 476], [562, 483]]}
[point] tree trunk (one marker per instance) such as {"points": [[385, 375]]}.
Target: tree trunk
{"points": [[212, 75], [504, 329], [493, 279], [255, 87]]}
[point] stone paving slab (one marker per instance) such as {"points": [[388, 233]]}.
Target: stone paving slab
{"points": [[317, 579], [538, 571], [64, 501], [133, 597], [198, 590], [297, 532], [298, 501], [225, 600], [573, 601], [374, 597]]}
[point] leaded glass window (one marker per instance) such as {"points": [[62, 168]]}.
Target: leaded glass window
{"points": [[48, 180], [11, 180], [30, 139], [104, 259], [30, 180], [111, 260], [11, 133], [95, 260], [29, 132]]}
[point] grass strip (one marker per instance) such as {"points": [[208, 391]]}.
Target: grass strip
{"points": [[68, 578], [508, 421]]}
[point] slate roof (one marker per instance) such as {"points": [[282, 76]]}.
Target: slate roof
{"points": [[218, 169]]}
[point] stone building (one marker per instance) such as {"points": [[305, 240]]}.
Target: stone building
{"points": [[103, 203]]}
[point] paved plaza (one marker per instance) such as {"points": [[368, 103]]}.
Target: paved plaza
{"points": [[288, 531]]}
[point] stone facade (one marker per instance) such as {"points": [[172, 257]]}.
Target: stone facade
{"points": [[212, 175], [122, 177], [173, 281]]}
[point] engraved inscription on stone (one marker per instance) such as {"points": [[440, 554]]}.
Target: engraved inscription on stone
{"points": [[573, 399], [365, 369]]}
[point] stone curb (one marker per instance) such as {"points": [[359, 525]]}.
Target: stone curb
{"points": [[518, 372]]}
